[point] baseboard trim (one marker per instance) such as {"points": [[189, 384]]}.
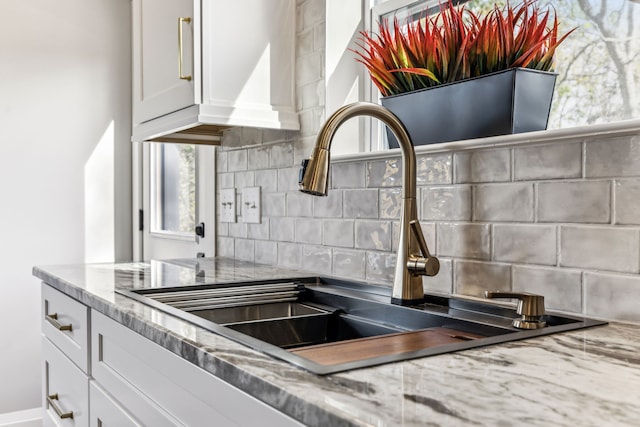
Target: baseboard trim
{"points": [[25, 418]]}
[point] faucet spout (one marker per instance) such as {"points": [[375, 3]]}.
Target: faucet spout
{"points": [[413, 259]]}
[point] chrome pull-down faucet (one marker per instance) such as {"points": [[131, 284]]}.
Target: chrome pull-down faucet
{"points": [[413, 257]]}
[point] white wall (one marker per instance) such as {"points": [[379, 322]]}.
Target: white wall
{"points": [[64, 161]]}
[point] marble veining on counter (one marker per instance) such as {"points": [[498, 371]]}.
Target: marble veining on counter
{"points": [[589, 377]]}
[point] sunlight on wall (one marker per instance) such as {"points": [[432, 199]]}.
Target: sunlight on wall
{"points": [[99, 200], [342, 30], [343, 72], [348, 138]]}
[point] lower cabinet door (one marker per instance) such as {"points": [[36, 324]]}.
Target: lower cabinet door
{"points": [[105, 412], [65, 389], [150, 381]]}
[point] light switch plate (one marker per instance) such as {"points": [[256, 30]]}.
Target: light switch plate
{"points": [[251, 205], [228, 205]]}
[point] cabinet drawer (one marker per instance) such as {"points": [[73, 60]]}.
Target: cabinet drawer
{"points": [[109, 363], [106, 412], [125, 362], [65, 322], [65, 390]]}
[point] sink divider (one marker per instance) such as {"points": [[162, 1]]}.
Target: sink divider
{"points": [[232, 296]]}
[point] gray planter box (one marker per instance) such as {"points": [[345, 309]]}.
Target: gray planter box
{"points": [[511, 101]]}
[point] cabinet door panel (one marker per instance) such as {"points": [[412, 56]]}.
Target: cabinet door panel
{"points": [[66, 386], [105, 412], [260, 73], [112, 365], [124, 360], [157, 87]]}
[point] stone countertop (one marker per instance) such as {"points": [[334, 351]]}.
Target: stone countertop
{"points": [[589, 377]]}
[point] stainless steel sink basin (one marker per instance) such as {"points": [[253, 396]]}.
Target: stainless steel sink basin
{"points": [[303, 331], [327, 325]]}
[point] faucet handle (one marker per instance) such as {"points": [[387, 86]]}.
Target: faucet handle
{"points": [[530, 307], [428, 265], [303, 170]]}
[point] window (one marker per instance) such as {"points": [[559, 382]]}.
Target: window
{"points": [[598, 66], [173, 205]]}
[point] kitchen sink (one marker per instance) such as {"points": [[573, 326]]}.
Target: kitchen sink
{"points": [[326, 325]]}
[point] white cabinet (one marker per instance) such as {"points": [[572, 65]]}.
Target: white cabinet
{"points": [[128, 380], [105, 411], [65, 360], [203, 66], [65, 322], [140, 372], [65, 389], [158, 88]]}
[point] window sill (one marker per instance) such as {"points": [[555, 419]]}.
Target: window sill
{"points": [[613, 129]]}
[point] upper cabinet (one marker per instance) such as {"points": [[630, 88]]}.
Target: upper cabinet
{"points": [[202, 66], [163, 44]]}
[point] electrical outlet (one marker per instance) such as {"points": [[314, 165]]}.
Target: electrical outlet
{"points": [[251, 205], [228, 205]]}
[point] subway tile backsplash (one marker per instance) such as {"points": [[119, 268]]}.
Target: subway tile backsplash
{"points": [[560, 218], [570, 235]]}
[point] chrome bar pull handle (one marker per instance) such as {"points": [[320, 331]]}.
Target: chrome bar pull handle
{"points": [[181, 21], [53, 319], [56, 409]]}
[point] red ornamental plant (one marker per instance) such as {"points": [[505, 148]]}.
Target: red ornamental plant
{"points": [[457, 44]]}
